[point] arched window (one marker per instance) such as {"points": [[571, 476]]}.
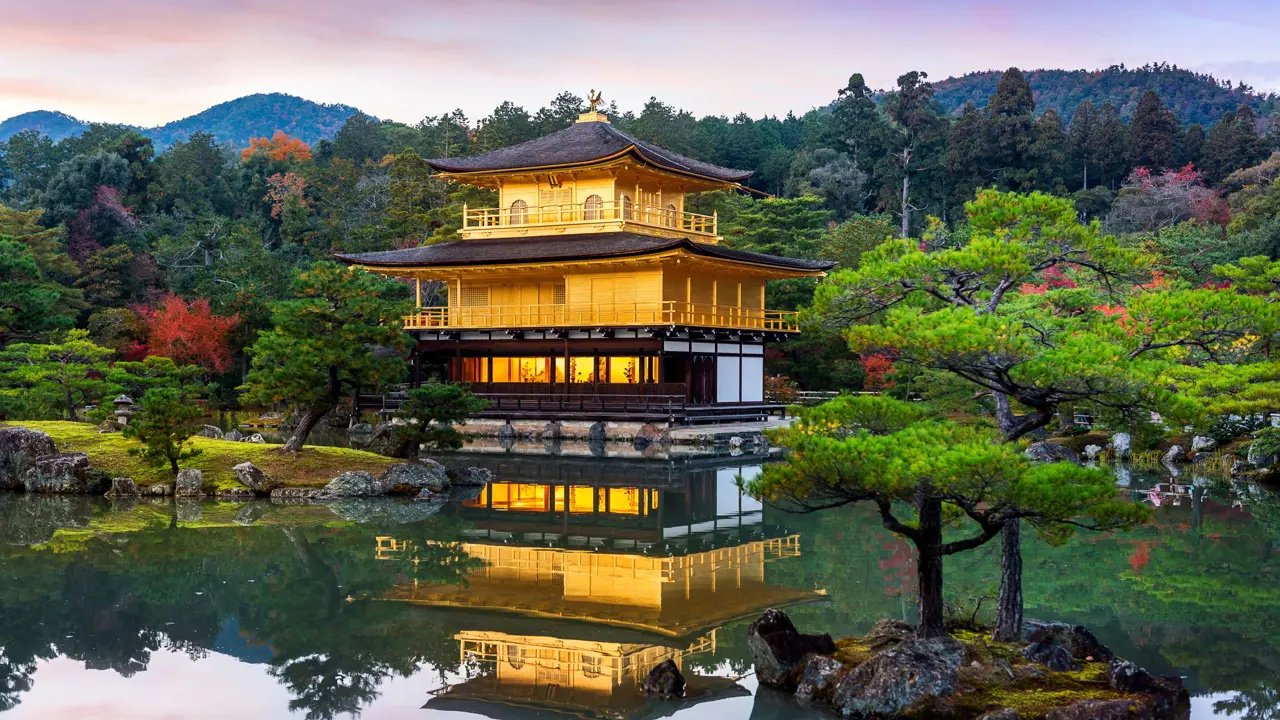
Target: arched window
{"points": [[671, 216], [626, 207], [592, 208], [519, 212], [516, 655]]}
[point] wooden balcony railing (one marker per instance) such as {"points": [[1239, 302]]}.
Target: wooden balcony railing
{"points": [[501, 317], [589, 212]]}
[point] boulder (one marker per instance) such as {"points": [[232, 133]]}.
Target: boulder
{"points": [[1169, 697], [235, 493], [188, 483], [353, 483], [66, 473], [470, 477], [1091, 452], [251, 512], [211, 432], [1174, 455], [156, 489], [233, 435], [506, 432], [1122, 444], [899, 677], [255, 438], [1048, 452], [383, 509], [664, 681], [1077, 639], [650, 434], [1005, 714], [296, 493], [254, 479], [1257, 459], [360, 429], [597, 433], [27, 520], [426, 495], [187, 510], [19, 448], [1200, 443], [1054, 657], [110, 425], [551, 431], [780, 652], [122, 487], [819, 679], [887, 629], [412, 477], [1101, 710]]}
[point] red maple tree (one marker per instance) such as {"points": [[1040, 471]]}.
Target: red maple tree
{"points": [[279, 147], [188, 333]]}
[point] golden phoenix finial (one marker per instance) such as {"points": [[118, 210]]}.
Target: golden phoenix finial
{"points": [[593, 98]]}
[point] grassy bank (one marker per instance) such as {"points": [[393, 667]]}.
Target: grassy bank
{"points": [[109, 452]]}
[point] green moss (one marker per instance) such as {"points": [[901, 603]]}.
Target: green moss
{"points": [[109, 452]]}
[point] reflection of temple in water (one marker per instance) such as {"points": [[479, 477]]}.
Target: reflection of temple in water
{"points": [[595, 573]]}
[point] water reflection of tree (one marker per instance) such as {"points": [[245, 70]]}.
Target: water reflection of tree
{"points": [[307, 592]]}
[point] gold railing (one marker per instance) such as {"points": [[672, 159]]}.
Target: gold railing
{"points": [[602, 315], [589, 212]]}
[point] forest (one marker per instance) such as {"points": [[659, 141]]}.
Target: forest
{"points": [[112, 252]]}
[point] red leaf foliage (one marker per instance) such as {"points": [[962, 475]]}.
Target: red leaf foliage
{"points": [[188, 333]]}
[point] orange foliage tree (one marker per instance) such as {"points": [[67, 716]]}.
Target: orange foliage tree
{"points": [[279, 147], [188, 333]]}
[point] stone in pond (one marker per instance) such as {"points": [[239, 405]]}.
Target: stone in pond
{"points": [[897, 678], [66, 473], [780, 652], [188, 483], [664, 681]]}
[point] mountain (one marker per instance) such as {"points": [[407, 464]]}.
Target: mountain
{"points": [[230, 122], [1193, 97], [54, 124]]}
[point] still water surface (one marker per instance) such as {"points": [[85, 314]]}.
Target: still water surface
{"points": [[553, 591]]}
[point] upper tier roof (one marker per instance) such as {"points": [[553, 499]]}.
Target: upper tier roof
{"points": [[562, 248], [579, 144]]}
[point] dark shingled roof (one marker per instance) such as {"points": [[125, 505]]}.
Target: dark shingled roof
{"points": [[583, 143], [564, 247]]}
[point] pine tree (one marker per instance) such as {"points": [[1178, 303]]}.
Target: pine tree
{"points": [[1083, 126], [1049, 151], [964, 158], [1108, 145], [1191, 147], [1152, 134], [1231, 144], [1010, 132]]}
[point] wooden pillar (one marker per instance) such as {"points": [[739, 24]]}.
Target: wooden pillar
{"points": [[418, 291]]}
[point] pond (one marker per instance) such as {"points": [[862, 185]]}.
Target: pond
{"points": [[551, 592]]}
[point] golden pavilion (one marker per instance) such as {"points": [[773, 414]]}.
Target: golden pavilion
{"points": [[591, 289]]}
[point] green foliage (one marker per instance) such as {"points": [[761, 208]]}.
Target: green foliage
{"points": [[62, 376], [30, 304], [430, 412], [164, 425]]}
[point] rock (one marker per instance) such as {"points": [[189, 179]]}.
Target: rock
{"points": [[664, 681], [251, 512], [650, 434], [110, 425], [1091, 452], [233, 435], [1169, 697], [1101, 710], [296, 493], [1257, 459], [899, 677], [818, 679], [211, 432], [19, 448], [412, 477], [353, 483], [735, 442], [67, 473], [780, 652], [551, 431], [1054, 657], [187, 510], [1238, 467], [886, 630], [27, 520], [506, 432], [383, 509], [1077, 639], [1200, 443], [122, 487], [1005, 714], [254, 479], [1174, 455], [360, 429], [157, 490], [470, 477], [1048, 452], [426, 495], [597, 433], [188, 483], [255, 438], [235, 494], [1122, 444]]}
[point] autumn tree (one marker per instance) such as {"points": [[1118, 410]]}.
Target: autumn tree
{"points": [[921, 473], [321, 346], [280, 147], [1151, 201], [188, 332]]}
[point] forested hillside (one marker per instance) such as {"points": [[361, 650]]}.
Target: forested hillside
{"points": [[56, 125]]}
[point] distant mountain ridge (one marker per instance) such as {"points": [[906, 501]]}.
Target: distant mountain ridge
{"points": [[234, 121], [1193, 97]]}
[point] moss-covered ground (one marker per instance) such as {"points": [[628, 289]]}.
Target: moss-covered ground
{"points": [[109, 453]]}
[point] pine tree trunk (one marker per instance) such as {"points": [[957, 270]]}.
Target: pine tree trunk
{"points": [[906, 214], [1008, 626], [929, 568], [310, 419]]}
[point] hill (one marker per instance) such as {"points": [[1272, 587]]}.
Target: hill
{"points": [[232, 122], [1194, 97], [54, 124]]}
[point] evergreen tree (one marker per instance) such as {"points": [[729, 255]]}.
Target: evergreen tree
{"points": [[857, 125], [360, 140], [1108, 146], [164, 427], [509, 125], [1050, 150], [915, 144], [1084, 124], [1153, 131], [1191, 146], [1232, 143], [964, 159], [28, 302], [1010, 132]]}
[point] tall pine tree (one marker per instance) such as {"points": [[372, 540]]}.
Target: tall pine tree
{"points": [[1152, 134], [1084, 124], [1009, 132], [1108, 146]]}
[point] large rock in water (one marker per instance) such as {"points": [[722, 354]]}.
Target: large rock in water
{"points": [[780, 652], [1077, 639], [1121, 444], [122, 487], [19, 448], [1048, 452], [470, 477], [412, 478], [1169, 697], [67, 473], [664, 681], [353, 483], [33, 519], [1054, 657], [819, 679], [253, 478], [899, 677], [189, 483]]}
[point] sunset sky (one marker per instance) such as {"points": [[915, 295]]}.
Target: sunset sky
{"points": [[146, 62]]}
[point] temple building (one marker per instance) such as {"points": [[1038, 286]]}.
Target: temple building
{"points": [[591, 289]]}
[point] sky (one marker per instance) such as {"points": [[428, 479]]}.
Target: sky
{"points": [[147, 62]]}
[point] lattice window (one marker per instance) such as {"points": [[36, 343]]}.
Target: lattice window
{"points": [[475, 296], [555, 196], [559, 296], [519, 212], [592, 208]]}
